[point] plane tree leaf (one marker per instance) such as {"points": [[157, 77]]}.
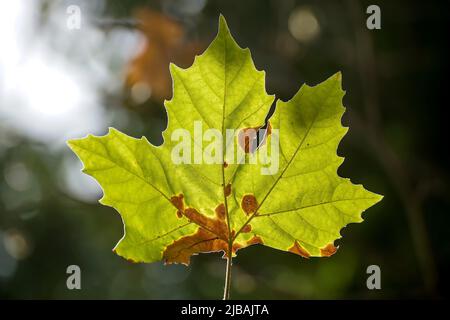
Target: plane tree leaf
{"points": [[291, 198]]}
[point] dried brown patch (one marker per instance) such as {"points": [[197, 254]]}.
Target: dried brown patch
{"points": [[269, 129], [220, 211], [247, 228], [178, 202], [255, 240], [248, 137], [180, 251], [212, 234], [328, 250], [227, 190], [249, 204], [216, 226], [298, 249], [236, 246]]}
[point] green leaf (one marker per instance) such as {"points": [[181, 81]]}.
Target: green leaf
{"points": [[291, 199]]}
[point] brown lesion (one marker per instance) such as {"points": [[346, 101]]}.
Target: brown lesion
{"points": [[248, 137], [236, 246], [212, 235], [299, 250], [328, 250], [247, 228], [220, 211], [269, 129], [227, 190], [254, 240], [249, 204], [213, 225], [178, 203], [181, 250]]}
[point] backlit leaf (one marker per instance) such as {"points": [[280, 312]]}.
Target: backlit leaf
{"points": [[291, 199]]}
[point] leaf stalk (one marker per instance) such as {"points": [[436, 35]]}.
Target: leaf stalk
{"points": [[227, 287]]}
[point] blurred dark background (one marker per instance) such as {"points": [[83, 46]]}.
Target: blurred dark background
{"points": [[58, 83]]}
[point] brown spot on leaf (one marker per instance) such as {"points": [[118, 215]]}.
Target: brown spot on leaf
{"points": [[249, 204], [178, 202], [212, 234], [236, 247], [225, 164], [255, 240], [131, 261], [216, 226], [247, 228], [220, 211], [251, 138], [248, 139], [269, 129], [227, 190], [180, 251], [328, 251], [298, 249]]}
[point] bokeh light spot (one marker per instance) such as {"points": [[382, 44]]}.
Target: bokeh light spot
{"points": [[303, 24]]}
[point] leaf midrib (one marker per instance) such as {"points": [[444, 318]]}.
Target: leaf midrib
{"points": [[227, 214]]}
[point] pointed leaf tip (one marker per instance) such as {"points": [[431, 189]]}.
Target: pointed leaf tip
{"points": [[223, 25], [222, 20]]}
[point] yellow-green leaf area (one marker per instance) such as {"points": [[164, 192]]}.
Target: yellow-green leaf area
{"points": [[172, 211]]}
